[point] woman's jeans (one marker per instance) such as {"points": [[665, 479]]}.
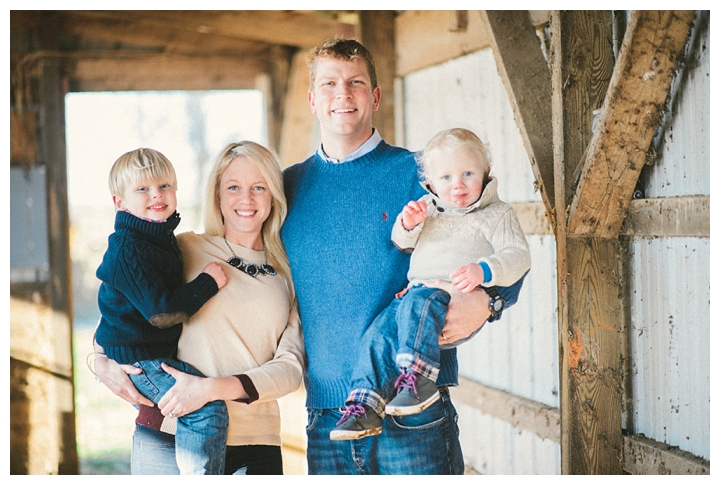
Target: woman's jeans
{"points": [[153, 453], [202, 434], [403, 336], [426, 443]]}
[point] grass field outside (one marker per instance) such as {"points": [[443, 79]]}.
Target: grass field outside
{"points": [[104, 423]]}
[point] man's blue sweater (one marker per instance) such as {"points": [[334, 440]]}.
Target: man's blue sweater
{"points": [[345, 267], [143, 282]]}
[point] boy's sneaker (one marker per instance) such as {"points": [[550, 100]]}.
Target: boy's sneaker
{"points": [[415, 393], [357, 421]]}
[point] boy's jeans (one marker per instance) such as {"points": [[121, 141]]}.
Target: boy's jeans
{"points": [[201, 435], [404, 335]]}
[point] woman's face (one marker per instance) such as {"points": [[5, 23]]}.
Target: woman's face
{"points": [[245, 203]]}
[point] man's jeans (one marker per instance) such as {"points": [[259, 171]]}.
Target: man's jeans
{"points": [[420, 444], [403, 336], [201, 435]]}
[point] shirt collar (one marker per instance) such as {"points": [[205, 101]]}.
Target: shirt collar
{"points": [[364, 149]]}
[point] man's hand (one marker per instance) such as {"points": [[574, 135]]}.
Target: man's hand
{"points": [[467, 312], [115, 377]]}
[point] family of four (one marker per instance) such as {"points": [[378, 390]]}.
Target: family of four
{"points": [[358, 271]]}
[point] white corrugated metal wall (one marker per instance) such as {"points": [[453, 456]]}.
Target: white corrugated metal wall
{"points": [[670, 289], [670, 286], [519, 353]]}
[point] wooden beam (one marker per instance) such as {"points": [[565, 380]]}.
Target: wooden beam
{"points": [[630, 115], [526, 77], [298, 120], [378, 35], [60, 405], [135, 31], [533, 218], [284, 27], [428, 37], [644, 456], [661, 217], [668, 217], [537, 418], [140, 71], [592, 305]]}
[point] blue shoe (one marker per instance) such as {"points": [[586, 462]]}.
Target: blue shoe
{"points": [[357, 421], [415, 394]]}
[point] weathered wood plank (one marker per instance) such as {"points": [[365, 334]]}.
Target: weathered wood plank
{"points": [[378, 35], [140, 72], [533, 218], [298, 121], [644, 456], [526, 77], [595, 353], [525, 414], [284, 27], [668, 217], [661, 217], [630, 115], [591, 302], [60, 410], [425, 38]]}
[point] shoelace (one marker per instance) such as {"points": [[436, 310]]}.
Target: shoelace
{"points": [[406, 380], [352, 410]]}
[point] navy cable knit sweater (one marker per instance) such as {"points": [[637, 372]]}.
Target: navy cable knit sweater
{"points": [[142, 282]]}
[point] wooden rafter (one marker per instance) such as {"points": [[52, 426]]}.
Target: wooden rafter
{"points": [[526, 76], [630, 115], [291, 28]]}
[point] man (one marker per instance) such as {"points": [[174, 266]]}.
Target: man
{"points": [[342, 202]]}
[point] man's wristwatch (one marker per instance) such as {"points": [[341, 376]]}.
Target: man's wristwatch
{"points": [[496, 304]]}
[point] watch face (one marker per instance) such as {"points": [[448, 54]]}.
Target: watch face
{"points": [[497, 305]]}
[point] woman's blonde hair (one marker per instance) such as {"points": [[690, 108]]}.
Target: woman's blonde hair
{"points": [[137, 165], [267, 163], [453, 137]]}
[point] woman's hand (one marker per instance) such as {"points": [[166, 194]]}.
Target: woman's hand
{"points": [[189, 393], [115, 377]]}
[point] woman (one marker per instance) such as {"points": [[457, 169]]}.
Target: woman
{"points": [[247, 339]]}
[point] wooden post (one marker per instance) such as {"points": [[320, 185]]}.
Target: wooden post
{"points": [[59, 407], [297, 124], [378, 35], [591, 271]]}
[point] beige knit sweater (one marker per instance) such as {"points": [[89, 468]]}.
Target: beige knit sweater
{"points": [[449, 238], [247, 328]]}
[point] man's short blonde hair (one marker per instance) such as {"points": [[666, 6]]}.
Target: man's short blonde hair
{"points": [[137, 165], [344, 50]]}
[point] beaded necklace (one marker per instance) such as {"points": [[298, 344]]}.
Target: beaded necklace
{"points": [[250, 269]]}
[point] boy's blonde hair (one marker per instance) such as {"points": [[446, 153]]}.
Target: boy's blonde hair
{"points": [[344, 50], [267, 163], [453, 137], [137, 165]]}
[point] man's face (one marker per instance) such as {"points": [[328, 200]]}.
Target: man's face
{"points": [[343, 99]]}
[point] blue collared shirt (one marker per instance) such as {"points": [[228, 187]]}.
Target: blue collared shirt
{"points": [[364, 149]]}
